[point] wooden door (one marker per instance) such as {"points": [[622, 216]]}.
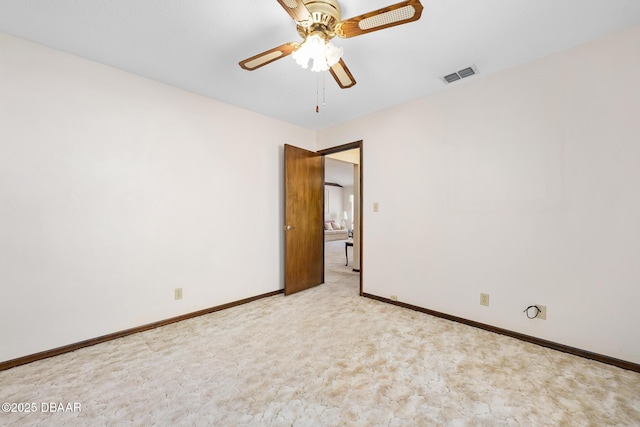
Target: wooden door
{"points": [[304, 217]]}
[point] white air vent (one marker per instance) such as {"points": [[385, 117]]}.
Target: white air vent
{"points": [[465, 72]]}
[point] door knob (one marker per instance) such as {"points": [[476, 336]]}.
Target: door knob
{"points": [[289, 227]]}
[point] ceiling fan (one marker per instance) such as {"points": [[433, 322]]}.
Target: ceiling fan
{"points": [[318, 21]]}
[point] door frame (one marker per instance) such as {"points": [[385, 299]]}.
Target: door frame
{"points": [[344, 147]]}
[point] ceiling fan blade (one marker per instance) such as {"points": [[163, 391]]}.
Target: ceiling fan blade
{"points": [[397, 14], [268, 56], [343, 76], [296, 9]]}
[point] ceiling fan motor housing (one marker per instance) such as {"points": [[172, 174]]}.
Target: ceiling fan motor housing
{"points": [[325, 15]]}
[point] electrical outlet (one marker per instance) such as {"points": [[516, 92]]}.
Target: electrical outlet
{"points": [[484, 299], [542, 315], [394, 297], [177, 293]]}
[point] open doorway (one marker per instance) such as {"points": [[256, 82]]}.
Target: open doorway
{"points": [[343, 210]]}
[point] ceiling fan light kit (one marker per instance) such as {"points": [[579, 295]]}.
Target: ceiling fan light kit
{"points": [[323, 54], [317, 22]]}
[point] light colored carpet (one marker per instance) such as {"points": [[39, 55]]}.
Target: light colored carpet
{"points": [[323, 357]]}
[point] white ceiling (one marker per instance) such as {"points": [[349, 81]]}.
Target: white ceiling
{"points": [[338, 172], [196, 45]]}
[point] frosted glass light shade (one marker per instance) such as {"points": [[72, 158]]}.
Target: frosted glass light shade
{"points": [[315, 48]]}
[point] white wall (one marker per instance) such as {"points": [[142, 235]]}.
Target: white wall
{"points": [[115, 189], [523, 185], [334, 203]]}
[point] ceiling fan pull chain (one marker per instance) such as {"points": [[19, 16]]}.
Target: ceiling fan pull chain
{"points": [[324, 73], [317, 94]]}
